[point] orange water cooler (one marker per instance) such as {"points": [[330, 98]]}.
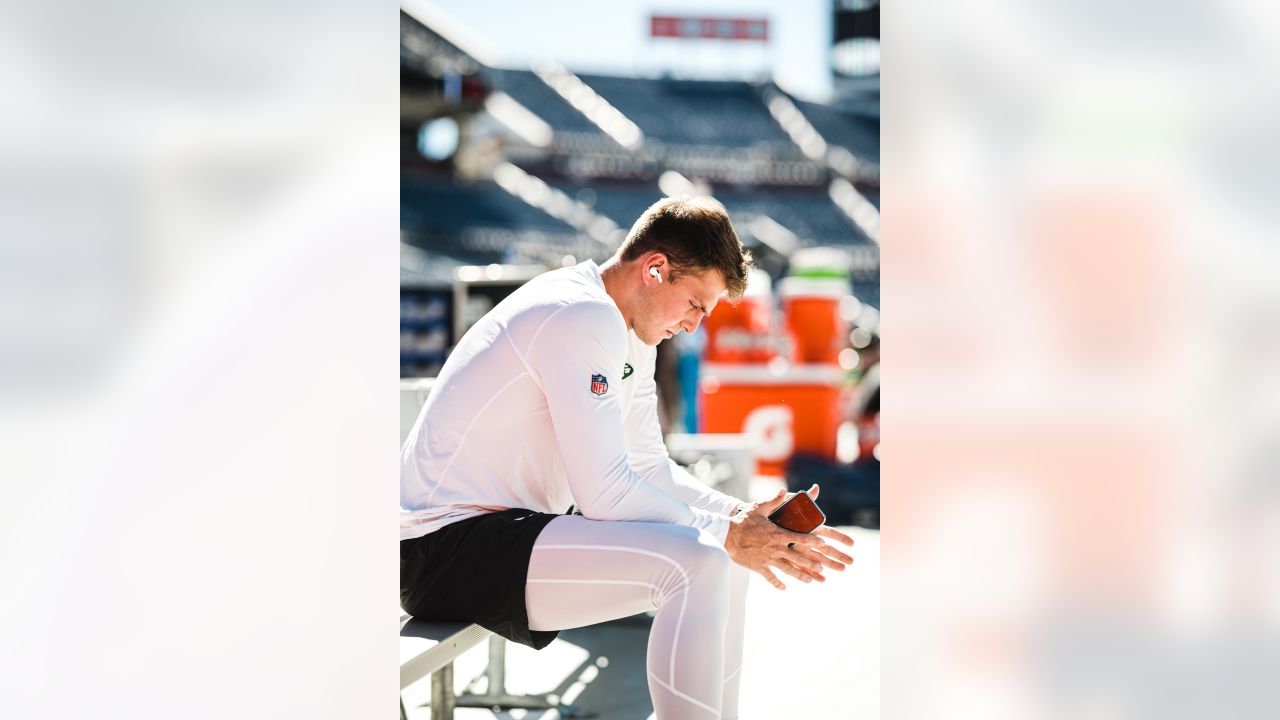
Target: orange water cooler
{"points": [[784, 408], [780, 383], [817, 330], [741, 331]]}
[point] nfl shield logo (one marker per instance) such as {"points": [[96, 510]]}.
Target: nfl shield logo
{"points": [[599, 385]]}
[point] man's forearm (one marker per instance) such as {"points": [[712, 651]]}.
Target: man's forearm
{"points": [[679, 482]]}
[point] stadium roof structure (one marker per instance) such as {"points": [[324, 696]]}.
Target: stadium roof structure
{"points": [[437, 79], [425, 50]]}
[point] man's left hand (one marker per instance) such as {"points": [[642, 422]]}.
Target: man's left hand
{"points": [[824, 553]]}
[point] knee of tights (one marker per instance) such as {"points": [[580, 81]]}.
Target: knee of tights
{"points": [[708, 557]]}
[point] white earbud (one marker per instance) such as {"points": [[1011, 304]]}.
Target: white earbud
{"points": [[654, 272]]}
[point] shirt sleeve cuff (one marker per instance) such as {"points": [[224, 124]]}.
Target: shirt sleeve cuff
{"points": [[714, 523]]}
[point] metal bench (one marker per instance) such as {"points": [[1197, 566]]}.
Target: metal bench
{"points": [[451, 640]]}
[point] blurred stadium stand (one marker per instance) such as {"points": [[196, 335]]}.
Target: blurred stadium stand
{"points": [[534, 93], [859, 133], [551, 167], [701, 113]]}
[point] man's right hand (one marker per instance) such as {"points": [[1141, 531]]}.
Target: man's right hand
{"points": [[755, 543]]}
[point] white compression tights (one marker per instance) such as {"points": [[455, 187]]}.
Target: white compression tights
{"points": [[584, 572]]}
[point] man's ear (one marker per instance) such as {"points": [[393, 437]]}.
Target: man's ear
{"points": [[658, 260], [654, 262]]}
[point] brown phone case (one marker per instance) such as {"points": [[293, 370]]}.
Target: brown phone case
{"points": [[799, 514]]}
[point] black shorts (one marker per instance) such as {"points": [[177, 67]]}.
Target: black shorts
{"points": [[474, 570]]}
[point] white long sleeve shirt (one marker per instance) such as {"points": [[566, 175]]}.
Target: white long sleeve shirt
{"points": [[549, 401]]}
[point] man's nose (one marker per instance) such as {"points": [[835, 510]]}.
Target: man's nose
{"points": [[690, 326]]}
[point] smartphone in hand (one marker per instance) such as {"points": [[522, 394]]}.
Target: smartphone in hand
{"points": [[799, 514]]}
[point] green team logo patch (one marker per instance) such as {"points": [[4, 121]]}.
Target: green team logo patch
{"points": [[626, 370]]}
